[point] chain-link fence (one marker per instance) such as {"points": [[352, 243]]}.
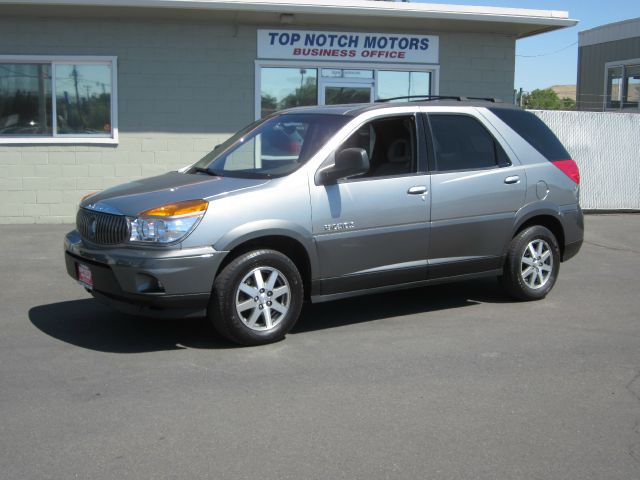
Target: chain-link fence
{"points": [[606, 147]]}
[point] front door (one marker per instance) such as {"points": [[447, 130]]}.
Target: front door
{"points": [[372, 230], [343, 86]]}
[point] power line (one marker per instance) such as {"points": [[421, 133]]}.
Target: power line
{"points": [[550, 53]]}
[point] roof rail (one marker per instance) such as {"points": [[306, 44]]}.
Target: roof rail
{"points": [[418, 98]]}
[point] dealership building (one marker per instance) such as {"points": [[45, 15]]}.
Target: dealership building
{"points": [[95, 92]]}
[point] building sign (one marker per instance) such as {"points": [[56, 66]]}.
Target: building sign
{"points": [[351, 46]]}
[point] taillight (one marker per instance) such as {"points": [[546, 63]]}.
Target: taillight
{"points": [[569, 168]]}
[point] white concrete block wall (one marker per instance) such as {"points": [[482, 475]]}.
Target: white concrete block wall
{"points": [[477, 64], [43, 185]]}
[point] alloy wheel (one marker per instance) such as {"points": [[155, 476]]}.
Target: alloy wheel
{"points": [[263, 298], [536, 264]]}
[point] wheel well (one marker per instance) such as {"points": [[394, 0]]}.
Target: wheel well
{"points": [[285, 245], [549, 222]]}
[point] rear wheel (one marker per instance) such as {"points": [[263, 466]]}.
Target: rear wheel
{"points": [[257, 298], [532, 264]]}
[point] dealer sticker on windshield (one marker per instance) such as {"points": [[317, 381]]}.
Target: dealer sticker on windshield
{"points": [[84, 275]]}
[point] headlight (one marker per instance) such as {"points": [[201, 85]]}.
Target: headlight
{"points": [[167, 223]]}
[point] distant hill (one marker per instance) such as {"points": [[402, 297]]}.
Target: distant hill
{"points": [[568, 91]]}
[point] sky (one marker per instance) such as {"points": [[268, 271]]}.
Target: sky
{"points": [[537, 66]]}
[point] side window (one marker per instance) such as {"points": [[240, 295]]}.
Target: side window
{"points": [[390, 144], [462, 143]]}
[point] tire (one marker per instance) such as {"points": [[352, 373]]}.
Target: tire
{"points": [[532, 264], [257, 298]]}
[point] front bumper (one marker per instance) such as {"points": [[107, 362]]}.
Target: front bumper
{"points": [[147, 280]]}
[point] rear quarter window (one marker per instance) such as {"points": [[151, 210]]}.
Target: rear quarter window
{"points": [[534, 131]]}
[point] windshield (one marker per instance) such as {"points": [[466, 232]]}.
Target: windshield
{"points": [[273, 147]]}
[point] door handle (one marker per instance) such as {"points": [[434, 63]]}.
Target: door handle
{"points": [[417, 190], [511, 180]]}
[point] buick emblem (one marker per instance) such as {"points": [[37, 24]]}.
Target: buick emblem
{"points": [[93, 226]]}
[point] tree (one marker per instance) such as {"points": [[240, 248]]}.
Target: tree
{"points": [[568, 103], [547, 99], [269, 104], [307, 94]]}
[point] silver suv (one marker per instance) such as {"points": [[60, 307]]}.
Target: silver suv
{"points": [[321, 203]]}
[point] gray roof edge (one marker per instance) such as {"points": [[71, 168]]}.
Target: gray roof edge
{"points": [[551, 18], [610, 32]]}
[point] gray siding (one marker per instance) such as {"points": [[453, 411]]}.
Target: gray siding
{"points": [[591, 69], [182, 88]]}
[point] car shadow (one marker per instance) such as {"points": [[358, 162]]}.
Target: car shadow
{"points": [[413, 301], [91, 325]]}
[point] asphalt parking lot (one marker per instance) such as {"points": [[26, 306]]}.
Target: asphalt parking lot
{"points": [[446, 382]]}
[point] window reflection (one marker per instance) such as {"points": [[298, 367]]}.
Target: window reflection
{"points": [[632, 77], [25, 99], [337, 95], [614, 83], [393, 84], [83, 99], [287, 87]]}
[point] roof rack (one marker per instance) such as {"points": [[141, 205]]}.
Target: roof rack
{"points": [[418, 98]]}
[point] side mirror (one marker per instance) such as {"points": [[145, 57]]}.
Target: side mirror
{"points": [[348, 162]]}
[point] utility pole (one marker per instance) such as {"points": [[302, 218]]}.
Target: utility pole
{"points": [[42, 108], [74, 74]]}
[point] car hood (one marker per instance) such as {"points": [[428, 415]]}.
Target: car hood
{"points": [[140, 195]]}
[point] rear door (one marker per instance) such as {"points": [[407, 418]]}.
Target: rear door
{"points": [[477, 186]]}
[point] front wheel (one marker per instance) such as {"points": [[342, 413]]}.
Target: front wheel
{"points": [[532, 264], [257, 298]]}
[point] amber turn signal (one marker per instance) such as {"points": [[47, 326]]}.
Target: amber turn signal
{"points": [[88, 195], [176, 209]]}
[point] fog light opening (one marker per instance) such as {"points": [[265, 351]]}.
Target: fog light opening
{"points": [[146, 283]]}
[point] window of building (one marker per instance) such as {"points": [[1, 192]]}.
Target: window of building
{"points": [[614, 90], [286, 84], [632, 87], [61, 100], [282, 87], [462, 143], [623, 85], [393, 84]]}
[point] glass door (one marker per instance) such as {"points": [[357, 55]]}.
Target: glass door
{"points": [[338, 86], [339, 93]]}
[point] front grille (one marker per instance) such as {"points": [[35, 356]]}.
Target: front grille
{"points": [[102, 228]]}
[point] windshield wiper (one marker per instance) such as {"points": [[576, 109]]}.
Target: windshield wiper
{"points": [[207, 171]]}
